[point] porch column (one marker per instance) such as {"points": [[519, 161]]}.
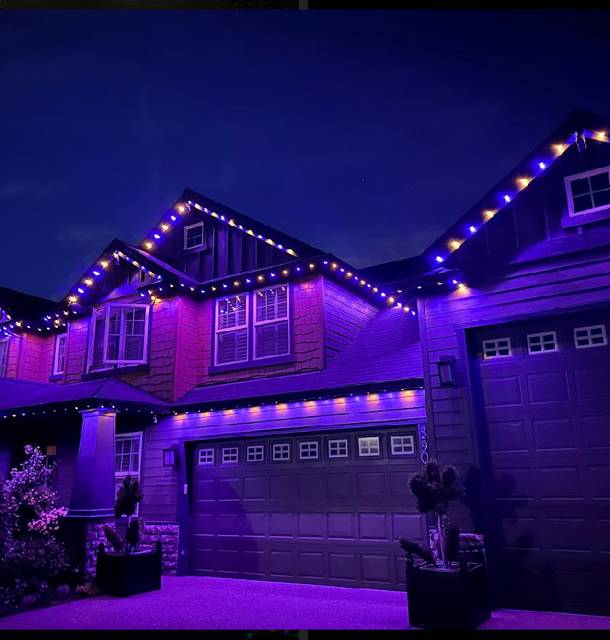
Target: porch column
{"points": [[93, 484]]}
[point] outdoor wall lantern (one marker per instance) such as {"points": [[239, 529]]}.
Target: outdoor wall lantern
{"points": [[169, 457], [446, 371]]}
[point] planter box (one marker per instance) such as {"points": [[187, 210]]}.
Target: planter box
{"points": [[439, 598], [120, 574]]}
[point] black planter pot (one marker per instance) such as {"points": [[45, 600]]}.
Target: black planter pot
{"points": [[120, 574], [456, 598]]}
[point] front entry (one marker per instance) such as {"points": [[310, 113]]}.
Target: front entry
{"points": [[325, 508]]}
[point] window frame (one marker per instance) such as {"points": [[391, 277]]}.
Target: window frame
{"points": [[206, 463], [225, 449], [132, 435], [186, 230], [309, 442], [541, 335], [401, 454], [4, 358], [61, 337], [259, 323], [258, 445], [588, 329], [241, 327], [376, 454], [575, 215], [281, 444], [115, 364], [337, 456], [495, 341]]}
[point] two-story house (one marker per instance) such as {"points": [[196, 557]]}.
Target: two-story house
{"points": [[274, 401]]}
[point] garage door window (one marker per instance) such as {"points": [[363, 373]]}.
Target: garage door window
{"points": [[542, 342], [402, 445], [230, 454], [368, 447], [206, 456], [337, 448], [498, 348], [255, 453], [594, 336], [281, 452], [308, 450]]}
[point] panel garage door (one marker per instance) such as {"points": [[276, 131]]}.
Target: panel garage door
{"points": [[325, 508], [546, 392]]}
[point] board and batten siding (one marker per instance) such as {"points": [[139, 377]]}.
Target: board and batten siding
{"points": [[375, 410]]}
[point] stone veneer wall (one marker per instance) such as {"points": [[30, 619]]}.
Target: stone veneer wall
{"points": [[167, 533]]}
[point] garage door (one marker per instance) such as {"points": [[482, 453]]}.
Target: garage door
{"points": [[546, 392], [325, 508]]}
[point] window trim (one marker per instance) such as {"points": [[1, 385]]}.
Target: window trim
{"points": [[401, 454], [4, 365], [332, 456], [495, 340], [280, 444], [206, 463], [588, 328], [260, 446], [541, 335], [575, 215], [259, 323], [186, 230], [125, 436], [61, 337], [218, 331], [222, 455], [369, 455], [309, 442]]}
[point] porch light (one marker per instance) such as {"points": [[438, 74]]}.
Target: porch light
{"points": [[446, 371], [169, 457]]}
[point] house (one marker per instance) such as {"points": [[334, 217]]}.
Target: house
{"points": [[274, 401]]}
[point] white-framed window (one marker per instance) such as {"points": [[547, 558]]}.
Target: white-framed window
{"points": [[498, 348], [205, 456], [255, 453], [369, 446], [544, 342], [271, 322], [588, 192], [4, 345], [118, 336], [402, 445], [193, 236], [280, 452], [309, 450], [59, 357], [127, 458], [230, 454], [592, 336], [337, 448], [231, 329]]}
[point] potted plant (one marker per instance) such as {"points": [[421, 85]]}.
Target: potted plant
{"points": [[446, 590], [125, 570]]}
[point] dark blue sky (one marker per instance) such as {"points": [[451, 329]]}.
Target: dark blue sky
{"points": [[363, 133]]}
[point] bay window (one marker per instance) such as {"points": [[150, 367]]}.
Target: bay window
{"points": [[118, 336]]}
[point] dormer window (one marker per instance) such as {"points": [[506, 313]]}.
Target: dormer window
{"points": [[118, 336], [193, 236], [588, 192]]}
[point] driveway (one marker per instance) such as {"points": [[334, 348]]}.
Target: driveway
{"points": [[216, 603]]}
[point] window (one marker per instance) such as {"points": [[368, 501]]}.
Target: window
{"points": [[255, 453], [588, 192], [59, 359], [499, 348], [271, 335], [594, 336], [232, 329], [402, 445], [369, 446], [542, 342], [205, 456], [230, 454], [4, 344], [280, 452], [127, 453], [118, 336], [337, 448], [308, 450], [193, 236]]}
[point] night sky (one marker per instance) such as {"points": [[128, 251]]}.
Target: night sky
{"points": [[365, 134]]}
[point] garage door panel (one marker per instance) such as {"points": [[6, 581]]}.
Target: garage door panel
{"points": [[595, 431], [328, 521]]}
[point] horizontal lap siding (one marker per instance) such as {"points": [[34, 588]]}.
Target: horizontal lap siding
{"points": [[159, 482]]}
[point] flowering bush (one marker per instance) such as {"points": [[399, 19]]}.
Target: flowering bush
{"points": [[30, 553]]}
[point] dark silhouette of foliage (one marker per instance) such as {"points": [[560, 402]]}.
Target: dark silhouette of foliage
{"points": [[435, 488], [128, 497], [132, 535], [113, 538], [452, 544], [413, 549]]}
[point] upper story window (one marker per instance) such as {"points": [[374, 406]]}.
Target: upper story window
{"points": [[193, 236], [4, 344], [245, 334], [59, 357], [588, 192], [118, 336]]}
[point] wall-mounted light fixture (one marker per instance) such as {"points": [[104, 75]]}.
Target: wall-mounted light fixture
{"points": [[169, 457], [446, 371]]}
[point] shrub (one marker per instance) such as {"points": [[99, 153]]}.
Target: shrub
{"points": [[128, 497]]}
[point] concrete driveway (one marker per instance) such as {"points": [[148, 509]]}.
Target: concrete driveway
{"points": [[215, 603]]}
